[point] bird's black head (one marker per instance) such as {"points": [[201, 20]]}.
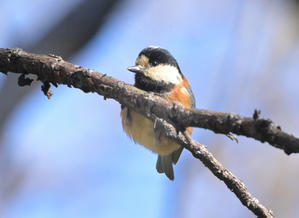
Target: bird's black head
{"points": [[156, 70], [157, 55]]}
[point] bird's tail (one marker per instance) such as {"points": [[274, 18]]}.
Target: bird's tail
{"points": [[164, 163]]}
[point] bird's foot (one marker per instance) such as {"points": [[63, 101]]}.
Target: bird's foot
{"points": [[232, 137]]}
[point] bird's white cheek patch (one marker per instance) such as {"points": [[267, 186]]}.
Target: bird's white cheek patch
{"points": [[166, 73]]}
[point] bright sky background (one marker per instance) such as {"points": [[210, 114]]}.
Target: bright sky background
{"points": [[79, 162]]}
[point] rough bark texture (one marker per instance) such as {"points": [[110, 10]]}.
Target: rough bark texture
{"points": [[173, 117], [54, 69]]}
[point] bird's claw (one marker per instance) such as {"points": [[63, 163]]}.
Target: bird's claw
{"points": [[232, 137], [158, 129]]}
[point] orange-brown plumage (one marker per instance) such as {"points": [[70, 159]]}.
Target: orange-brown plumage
{"points": [[181, 94]]}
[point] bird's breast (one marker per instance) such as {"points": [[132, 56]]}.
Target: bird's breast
{"points": [[141, 130]]}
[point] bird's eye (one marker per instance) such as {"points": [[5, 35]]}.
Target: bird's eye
{"points": [[155, 63]]}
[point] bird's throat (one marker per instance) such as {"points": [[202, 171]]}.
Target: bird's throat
{"points": [[147, 84]]}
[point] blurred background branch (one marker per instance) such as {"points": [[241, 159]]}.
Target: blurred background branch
{"points": [[65, 38]]}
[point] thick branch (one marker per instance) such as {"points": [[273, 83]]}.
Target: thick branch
{"points": [[52, 69], [55, 70]]}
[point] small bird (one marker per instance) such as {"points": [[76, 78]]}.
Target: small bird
{"points": [[157, 71]]}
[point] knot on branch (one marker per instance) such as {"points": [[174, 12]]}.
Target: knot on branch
{"points": [[15, 54], [265, 126], [23, 81], [46, 89], [268, 131], [256, 114]]}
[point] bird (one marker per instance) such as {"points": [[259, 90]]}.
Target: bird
{"points": [[157, 71]]}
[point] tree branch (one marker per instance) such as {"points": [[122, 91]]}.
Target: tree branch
{"points": [[51, 69], [88, 16]]}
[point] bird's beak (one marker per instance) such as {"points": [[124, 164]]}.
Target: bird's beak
{"points": [[136, 69]]}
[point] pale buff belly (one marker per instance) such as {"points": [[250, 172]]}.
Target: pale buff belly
{"points": [[141, 130]]}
